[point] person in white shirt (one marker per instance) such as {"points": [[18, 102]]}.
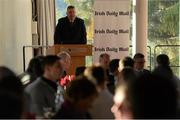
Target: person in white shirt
{"points": [[101, 108]]}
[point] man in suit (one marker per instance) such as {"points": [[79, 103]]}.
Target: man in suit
{"points": [[139, 62], [70, 29], [43, 92]]}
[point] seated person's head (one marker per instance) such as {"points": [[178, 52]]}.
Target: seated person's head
{"points": [[11, 105], [81, 93], [127, 74], [35, 67], [113, 66], [126, 62], [162, 60], [104, 60], [65, 60], [147, 97], [10, 82], [97, 75], [11, 94], [80, 71], [52, 67], [139, 61]]}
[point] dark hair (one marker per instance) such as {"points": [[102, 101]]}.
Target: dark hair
{"points": [[152, 96], [80, 70], [163, 60], [10, 82], [128, 74], [96, 74], [128, 62], [113, 65], [11, 94], [138, 55], [50, 60], [70, 7], [79, 89], [35, 68], [11, 105]]}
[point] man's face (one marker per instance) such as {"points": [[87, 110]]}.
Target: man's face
{"points": [[66, 63], [139, 63], [55, 71], [71, 13], [104, 61]]}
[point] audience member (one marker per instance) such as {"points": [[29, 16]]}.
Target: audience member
{"points": [[65, 60], [139, 63], [127, 74], [148, 97], [33, 71], [101, 108], [113, 75], [80, 71], [126, 62], [163, 60], [104, 60], [43, 91], [164, 70], [163, 67], [11, 95], [79, 96]]}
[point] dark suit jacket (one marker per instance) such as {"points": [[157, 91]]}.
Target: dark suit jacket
{"points": [[68, 33]]}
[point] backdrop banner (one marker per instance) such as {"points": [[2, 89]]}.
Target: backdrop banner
{"points": [[111, 28]]}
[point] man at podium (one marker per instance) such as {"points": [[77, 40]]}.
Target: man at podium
{"points": [[70, 29]]}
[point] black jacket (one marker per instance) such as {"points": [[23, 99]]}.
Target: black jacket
{"points": [[68, 33]]}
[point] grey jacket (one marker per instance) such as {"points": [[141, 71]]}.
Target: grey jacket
{"points": [[42, 97]]}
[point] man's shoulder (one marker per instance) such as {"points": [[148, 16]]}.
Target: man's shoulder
{"points": [[34, 86], [63, 19], [79, 20]]}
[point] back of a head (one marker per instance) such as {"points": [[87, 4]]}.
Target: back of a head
{"points": [[79, 89], [80, 70], [126, 62], [138, 55], [35, 67], [128, 74], [10, 82], [96, 74], [113, 65], [152, 96], [163, 60], [11, 94]]}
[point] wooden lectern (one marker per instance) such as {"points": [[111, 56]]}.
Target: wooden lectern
{"points": [[78, 54]]}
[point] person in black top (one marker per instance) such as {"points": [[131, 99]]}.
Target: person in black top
{"points": [[139, 63], [113, 75], [70, 29]]}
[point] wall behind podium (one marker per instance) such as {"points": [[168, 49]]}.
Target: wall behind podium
{"points": [[15, 31]]}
